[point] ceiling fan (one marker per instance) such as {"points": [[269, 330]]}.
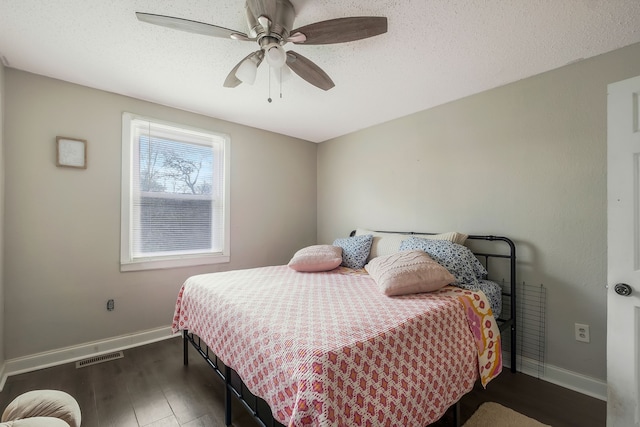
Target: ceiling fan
{"points": [[270, 23]]}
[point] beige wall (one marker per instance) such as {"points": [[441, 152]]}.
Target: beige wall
{"points": [[62, 234], [527, 160]]}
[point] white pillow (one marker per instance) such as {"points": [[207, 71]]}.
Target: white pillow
{"points": [[316, 258], [389, 243], [408, 272]]}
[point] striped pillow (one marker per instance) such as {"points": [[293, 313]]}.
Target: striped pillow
{"points": [[389, 243]]}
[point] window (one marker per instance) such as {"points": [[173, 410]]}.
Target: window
{"points": [[175, 195]]}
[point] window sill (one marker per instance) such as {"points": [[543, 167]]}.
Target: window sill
{"points": [[159, 264]]}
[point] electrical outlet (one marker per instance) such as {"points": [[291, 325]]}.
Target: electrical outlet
{"points": [[582, 332], [110, 305]]}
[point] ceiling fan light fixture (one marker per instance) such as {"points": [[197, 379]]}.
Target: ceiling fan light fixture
{"points": [[275, 55], [247, 71]]}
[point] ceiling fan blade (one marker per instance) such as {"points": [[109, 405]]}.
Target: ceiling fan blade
{"points": [[340, 30], [232, 81], [262, 8], [309, 71], [191, 26]]}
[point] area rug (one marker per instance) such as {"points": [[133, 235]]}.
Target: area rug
{"points": [[491, 414]]}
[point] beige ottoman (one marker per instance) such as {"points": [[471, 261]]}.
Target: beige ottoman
{"points": [[42, 408]]}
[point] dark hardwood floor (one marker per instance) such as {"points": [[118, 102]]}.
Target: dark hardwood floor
{"points": [[151, 387]]}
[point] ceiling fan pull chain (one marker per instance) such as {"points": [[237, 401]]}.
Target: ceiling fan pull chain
{"points": [[280, 82], [269, 99]]}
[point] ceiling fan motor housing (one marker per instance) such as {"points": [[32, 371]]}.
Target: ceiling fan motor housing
{"points": [[281, 21]]}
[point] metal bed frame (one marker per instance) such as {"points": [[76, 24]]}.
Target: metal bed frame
{"points": [[234, 387]]}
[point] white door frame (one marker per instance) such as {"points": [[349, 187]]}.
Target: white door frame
{"points": [[623, 253]]}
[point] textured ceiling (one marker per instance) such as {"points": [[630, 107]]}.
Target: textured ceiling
{"points": [[435, 51]]}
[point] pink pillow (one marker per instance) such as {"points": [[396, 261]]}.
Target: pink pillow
{"points": [[408, 272], [316, 258]]}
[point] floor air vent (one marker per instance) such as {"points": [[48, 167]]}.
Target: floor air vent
{"points": [[99, 359]]}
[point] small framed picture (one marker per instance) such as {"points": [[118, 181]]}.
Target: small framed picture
{"points": [[71, 152]]}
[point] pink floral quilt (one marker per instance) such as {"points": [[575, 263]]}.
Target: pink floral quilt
{"points": [[329, 349]]}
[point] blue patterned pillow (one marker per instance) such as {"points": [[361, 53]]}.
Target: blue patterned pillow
{"points": [[355, 250], [458, 259]]}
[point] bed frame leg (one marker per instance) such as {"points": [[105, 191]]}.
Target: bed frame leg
{"points": [[227, 396], [457, 421], [513, 348], [185, 348]]}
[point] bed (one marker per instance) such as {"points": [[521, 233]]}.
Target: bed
{"points": [[328, 348]]}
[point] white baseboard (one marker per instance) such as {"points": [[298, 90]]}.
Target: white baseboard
{"points": [[559, 376], [71, 354]]}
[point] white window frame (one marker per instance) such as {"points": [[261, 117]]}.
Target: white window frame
{"points": [[127, 261]]}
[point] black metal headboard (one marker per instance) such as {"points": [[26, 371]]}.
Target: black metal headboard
{"points": [[486, 254]]}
